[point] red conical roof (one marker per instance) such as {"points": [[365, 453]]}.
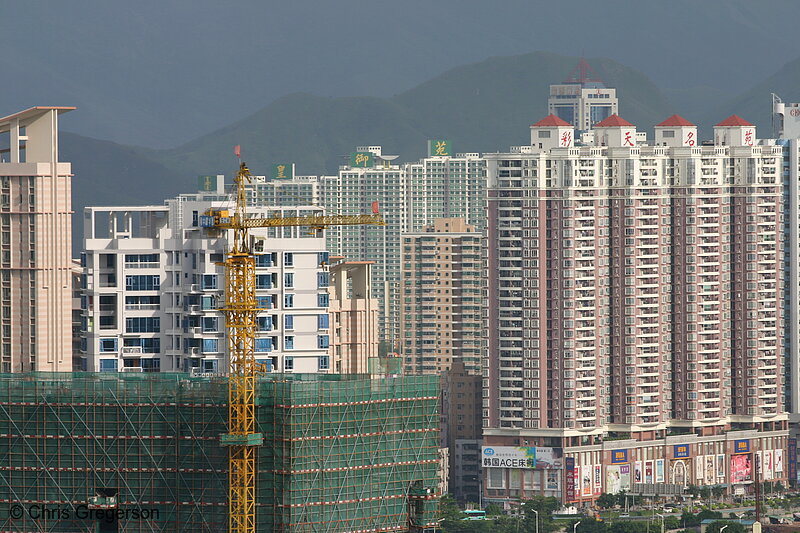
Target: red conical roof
{"points": [[734, 120], [551, 121], [614, 121], [675, 120]]}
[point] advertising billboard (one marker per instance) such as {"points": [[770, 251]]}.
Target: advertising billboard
{"points": [[711, 464], [439, 147], [619, 457], [521, 457], [282, 171], [361, 159], [741, 446], [681, 451], [741, 469], [569, 476], [660, 471], [618, 478]]}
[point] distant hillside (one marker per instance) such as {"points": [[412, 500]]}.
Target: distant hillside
{"points": [[755, 104], [107, 173], [481, 107]]}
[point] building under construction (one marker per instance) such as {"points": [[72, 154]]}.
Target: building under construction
{"points": [[141, 452]]}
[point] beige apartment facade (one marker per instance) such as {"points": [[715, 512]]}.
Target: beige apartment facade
{"points": [[35, 245], [441, 297], [354, 339]]}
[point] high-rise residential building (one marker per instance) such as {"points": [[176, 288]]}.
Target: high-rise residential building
{"points": [[35, 244], [154, 289], [582, 100], [441, 297], [354, 317], [635, 294], [461, 429], [409, 195]]}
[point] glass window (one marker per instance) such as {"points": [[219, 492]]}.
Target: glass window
{"points": [[210, 345], [322, 299], [324, 257], [288, 300], [210, 324], [288, 342], [143, 325], [209, 281], [108, 345], [108, 365], [288, 321], [323, 279], [264, 323], [263, 281], [142, 283], [263, 345], [288, 280], [263, 302], [288, 259], [323, 321], [264, 261], [208, 303], [323, 341], [288, 363], [323, 362]]}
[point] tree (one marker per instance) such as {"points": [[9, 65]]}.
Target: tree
{"points": [[449, 509], [494, 509], [606, 500]]}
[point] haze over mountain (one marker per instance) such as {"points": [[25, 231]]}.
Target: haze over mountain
{"points": [[160, 74]]}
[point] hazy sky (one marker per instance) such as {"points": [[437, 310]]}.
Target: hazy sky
{"points": [[159, 73]]}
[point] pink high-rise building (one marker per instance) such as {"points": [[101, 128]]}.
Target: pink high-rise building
{"points": [[634, 309]]}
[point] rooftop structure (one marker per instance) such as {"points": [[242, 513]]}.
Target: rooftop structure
{"points": [[582, 100]]}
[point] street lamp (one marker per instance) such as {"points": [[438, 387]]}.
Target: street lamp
{"points": [[575, 526], [723, 528], [537, 519]]}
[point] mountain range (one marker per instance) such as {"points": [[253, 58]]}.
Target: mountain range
{"points": [[481, 107]]}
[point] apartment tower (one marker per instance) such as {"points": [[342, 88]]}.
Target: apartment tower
{"points": [[35, 245], [634, 310]]}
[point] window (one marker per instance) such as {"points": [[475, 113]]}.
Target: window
{"points": [[210, 324], [323, 363], [210, 345], [263, 281], [209, 281], [264, 261], [108, 365], [142, 283], [108, 345], [322, 299], [288, 280], [288, 363], [288, 300], [288, 321], [323, 321], [264, 302], [264, 323], [323, 257], [264, 345], [323, 341], [288, 259], [323, 279], [208, 303], [143, 325], [288, 343], [194, 218]]}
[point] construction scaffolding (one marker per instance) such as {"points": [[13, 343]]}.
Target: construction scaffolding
{"points": [[340, 453]]}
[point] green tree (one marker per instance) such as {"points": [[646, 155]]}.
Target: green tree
{"points": [[606, 500], [494, 509], [449, 509]]}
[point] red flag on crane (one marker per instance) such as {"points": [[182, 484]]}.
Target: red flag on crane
{"points": [[237, 151]]}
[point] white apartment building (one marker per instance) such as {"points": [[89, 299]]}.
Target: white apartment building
{"points": [[154, 286], [410, 196], [635, 291], [582, 100]]}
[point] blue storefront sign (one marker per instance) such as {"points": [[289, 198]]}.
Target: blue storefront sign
{"points": [[741, 446], [619, 457], [681, 450]]}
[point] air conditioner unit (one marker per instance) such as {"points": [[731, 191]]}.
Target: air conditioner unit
{"points": [[195, 350], [195, 287]]}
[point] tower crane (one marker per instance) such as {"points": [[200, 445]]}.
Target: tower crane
{"points": [[240, 309]]}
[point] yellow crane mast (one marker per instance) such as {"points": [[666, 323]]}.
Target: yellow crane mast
{"points": [[241, 310]]}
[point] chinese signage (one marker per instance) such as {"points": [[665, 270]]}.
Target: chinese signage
{"points": [[522, 457], [680, 450], [741, 446], [207, 183], [440, 147], [361, 159], [619, 457], [792, 459], [569, 471], [282, 171]]}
